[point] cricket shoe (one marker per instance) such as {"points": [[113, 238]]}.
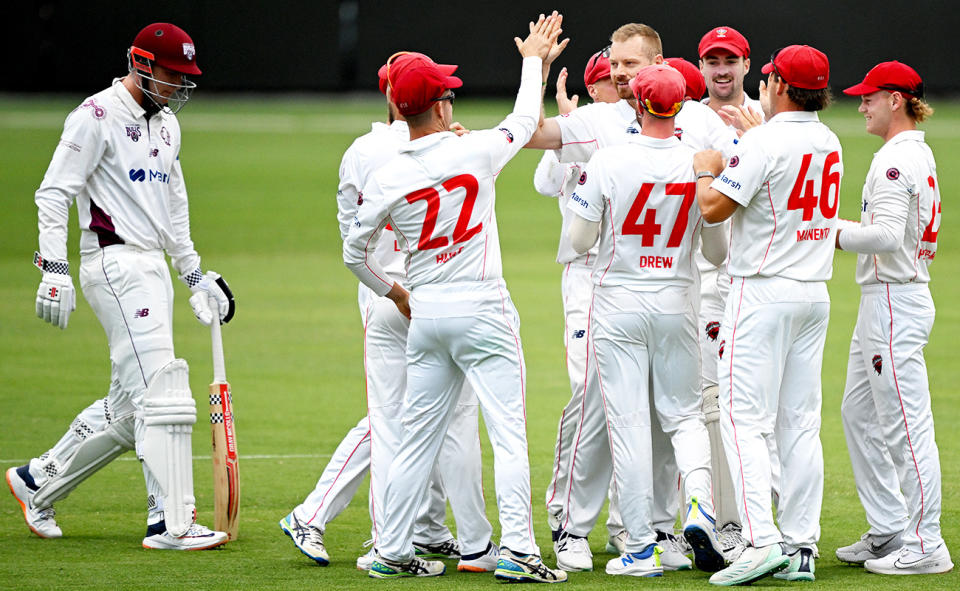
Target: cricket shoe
{"points": [[480, 562], [753, 565], [365, 561], [573, 553], [40, 521], [869, 547], [308, 538], [525, 568], [417, 567], [617, 544], [699, 529], [731, 542], [672, 556], [908, 562], [801, 566], [197, 537], [638, 564], [447, 549]]}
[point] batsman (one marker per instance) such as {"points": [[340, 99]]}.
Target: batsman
{"points": [[119, 158]]}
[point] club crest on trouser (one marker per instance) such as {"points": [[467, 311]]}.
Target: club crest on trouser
{"points": [[712, 330], [877, 364], [720, 349]]}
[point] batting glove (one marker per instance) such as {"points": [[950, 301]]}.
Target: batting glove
{"points": [[56, 297], [207, 287]]}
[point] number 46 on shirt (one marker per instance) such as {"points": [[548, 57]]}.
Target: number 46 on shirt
{"points": [[804, 196]]}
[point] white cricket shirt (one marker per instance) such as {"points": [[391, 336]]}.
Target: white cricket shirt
{"points": [[644, 196], [438, 196], [900, 214], [365, 155], [786, 176], [124, 172], [557, 179], [599, 125]]}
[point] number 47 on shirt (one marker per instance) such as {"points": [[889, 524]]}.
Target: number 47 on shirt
{"points": [[804, 196]]}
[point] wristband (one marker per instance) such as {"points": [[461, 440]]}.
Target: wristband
{"points": [[705, 173], [48, 266]]}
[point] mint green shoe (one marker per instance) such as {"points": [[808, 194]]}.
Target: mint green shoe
{"points": [[753, 564], [525, 568]]}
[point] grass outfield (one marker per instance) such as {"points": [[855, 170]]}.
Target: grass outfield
{"points": [[262, 176]]}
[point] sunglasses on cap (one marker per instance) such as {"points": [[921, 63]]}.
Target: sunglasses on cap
{"points": [[773, 57], [605, 52]]}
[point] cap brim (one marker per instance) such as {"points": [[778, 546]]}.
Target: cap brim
{"points": [[860, 90], [191, 70], [453, 81], [767, 68], [734, 49]]}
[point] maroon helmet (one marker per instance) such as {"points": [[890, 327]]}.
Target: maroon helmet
{"points": [[169, 46]]}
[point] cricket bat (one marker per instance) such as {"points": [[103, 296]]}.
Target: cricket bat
{"points": [[226, 475]]}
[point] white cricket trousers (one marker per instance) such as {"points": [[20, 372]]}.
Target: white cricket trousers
{"points": [[887, 416], [461, 330], [131, 294], [772, 341], [577, 291], [645, 347], [460, 473]]}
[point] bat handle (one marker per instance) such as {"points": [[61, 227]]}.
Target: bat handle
{"points": [[219, 367]]}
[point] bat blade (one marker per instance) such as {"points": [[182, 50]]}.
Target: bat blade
{"points": [[226, 469]]}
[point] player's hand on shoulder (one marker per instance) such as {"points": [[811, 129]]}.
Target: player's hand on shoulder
{"points": [[211, 295], [708, 161], [458, 128], [56, 297], [542, 40], [565, 104]]}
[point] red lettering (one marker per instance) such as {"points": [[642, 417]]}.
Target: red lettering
{"points": [[813, 234]]}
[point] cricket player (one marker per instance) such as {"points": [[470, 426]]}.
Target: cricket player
{"points": [[385, 365], [886, 403], [639, 198], [438, 197], [781, 191], [118, 157], [725, 61], [577, 136], [555, 179]]}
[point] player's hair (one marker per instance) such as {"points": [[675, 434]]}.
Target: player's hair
{"points": [[639, 30], [917, 109], [420, 119], [807, 99]]}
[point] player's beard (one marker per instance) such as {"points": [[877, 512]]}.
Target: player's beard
{"points": [[623, 89]]}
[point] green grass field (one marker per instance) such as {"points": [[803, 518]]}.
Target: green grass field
{"points": [[262, 175]]}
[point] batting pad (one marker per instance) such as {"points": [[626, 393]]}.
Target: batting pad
{"points": [[169, 413]]}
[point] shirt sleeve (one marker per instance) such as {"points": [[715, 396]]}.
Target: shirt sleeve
{"points": [[890, 201], [348, 191], [578, 135], [361, 242], [745, 173], [587, 199], [550, 175], [182, 252], [77, 155]]}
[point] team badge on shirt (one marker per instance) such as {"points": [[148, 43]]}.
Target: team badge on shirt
{"points": [[893, 174], [877, 360], [507, 133], [583, 178], [734, 162], [678, 132], [133, 132], [165, 135]]}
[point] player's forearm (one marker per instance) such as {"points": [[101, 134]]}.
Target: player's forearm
{"points": [[530, 96], [53, 215], [886, 231], [367, 269], [713, 243], [549, 176], [715, 207], [583, 234]]}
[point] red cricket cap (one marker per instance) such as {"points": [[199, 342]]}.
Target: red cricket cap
{"points": [[800, 66], [446, 69], [598, 68], [725, 38], [891, 76], [659, 90], [166, 45], [692, 76], [415, 81]]}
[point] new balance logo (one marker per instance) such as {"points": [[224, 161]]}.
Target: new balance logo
{"points": [[142, 313], [578, 334]]}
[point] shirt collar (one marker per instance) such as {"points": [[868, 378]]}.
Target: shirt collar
{"points": [[126, 99], [426, 142], [795, 117], [914, 135]]}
